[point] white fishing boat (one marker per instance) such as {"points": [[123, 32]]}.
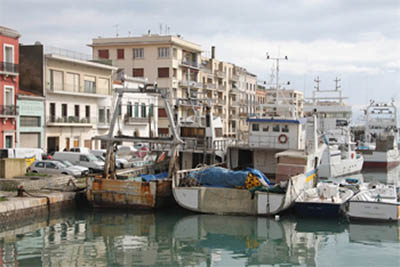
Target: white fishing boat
{"points": [[334, 118], [281, 144], [325, 200], [379, 147], [377, 202]]}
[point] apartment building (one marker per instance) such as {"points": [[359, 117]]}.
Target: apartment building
{"points": [[230, 90], [169, 60], [9, 86], [137, 113]]}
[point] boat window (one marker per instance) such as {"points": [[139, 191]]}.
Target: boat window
{"points": [[285, 129], [265, 128], [255, 127], [276, 128]]}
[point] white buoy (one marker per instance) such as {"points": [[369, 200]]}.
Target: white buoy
{"points": [[276, 217]]}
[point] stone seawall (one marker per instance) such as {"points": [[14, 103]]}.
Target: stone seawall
{"points": [[20, 208]]}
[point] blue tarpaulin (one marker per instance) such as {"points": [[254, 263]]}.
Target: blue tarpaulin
{"points": [[221, 177], [150, 177]]}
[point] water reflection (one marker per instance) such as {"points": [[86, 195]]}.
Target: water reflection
{"points": [[163, 239]]}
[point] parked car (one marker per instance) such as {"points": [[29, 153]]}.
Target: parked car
{"points": [[52, 167], [119, 162], [83, 159], [84, 170]]}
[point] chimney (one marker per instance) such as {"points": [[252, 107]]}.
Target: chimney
{"points": [[213, 52]]}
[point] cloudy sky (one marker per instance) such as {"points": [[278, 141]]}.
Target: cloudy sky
{"points": [[355, 40]]}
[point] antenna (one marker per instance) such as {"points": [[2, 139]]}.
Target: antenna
{"points": [[277, 67], [337, 86], [317, 81], [160, 28], [116, 30]]}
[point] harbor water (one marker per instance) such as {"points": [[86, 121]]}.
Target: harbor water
{"points": [[175, 237]]}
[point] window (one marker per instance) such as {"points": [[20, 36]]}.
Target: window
{"points": [[39, 165], [129, 109], [139, 72], [8, 53], [72, 82], [51, 165], [87, 112], [138, 52], [276, 128], [163, 72], [151, 110], [8, 96], [56, 80], [143, 110], [83, 158], [9, 141], [102, 115], [120, 53], [163, 52], [266, 129], [218, 132], [76, 111], [255, 127], [174, 73], [64, 110], [29, 121], [103, 53], [285, 129], [90, 84], [174, 52], [136, 110]]}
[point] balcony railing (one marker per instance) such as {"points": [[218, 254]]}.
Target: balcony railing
{"points": [[70, 120], [193, 84], [132, 120], [10, 110], [190, 63], [234, 77], [220, 73], [8, 68]]}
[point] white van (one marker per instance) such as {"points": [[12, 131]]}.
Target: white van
{"points": [[83, 159], [80, 149], [29, 154]]}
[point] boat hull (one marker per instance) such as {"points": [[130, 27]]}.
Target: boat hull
{"points": [[138, 195], [344, 167], [318, 209], [373, 210], [381, 159]]}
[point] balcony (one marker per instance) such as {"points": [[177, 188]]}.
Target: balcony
{"points": [[220, 73], [8, 68], [193, 84], [136, 120], [209, 86], [234, 78], [8, 111], [76, 90], [190, 64], [243, 114], [70, 121]]}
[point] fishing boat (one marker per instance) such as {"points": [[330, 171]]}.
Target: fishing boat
{"points": [[325, 200], [334, 118], [143, 187], [378, 202], [379, 147], [281, 145]]}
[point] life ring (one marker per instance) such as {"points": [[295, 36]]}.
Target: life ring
{"points": [[282, 139]]}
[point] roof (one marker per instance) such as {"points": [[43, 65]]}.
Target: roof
{"points": [[83, 62], [9, 32], [279, 120]]}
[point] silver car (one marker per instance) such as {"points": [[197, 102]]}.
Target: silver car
{"points": [[84, 170], [52, 167]]}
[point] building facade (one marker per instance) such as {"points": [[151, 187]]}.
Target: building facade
{"points": [[78, 101], [138, 115], [9, 86], [169, 60]]}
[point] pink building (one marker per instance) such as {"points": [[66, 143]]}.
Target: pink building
{"points": [[9, 86]]}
